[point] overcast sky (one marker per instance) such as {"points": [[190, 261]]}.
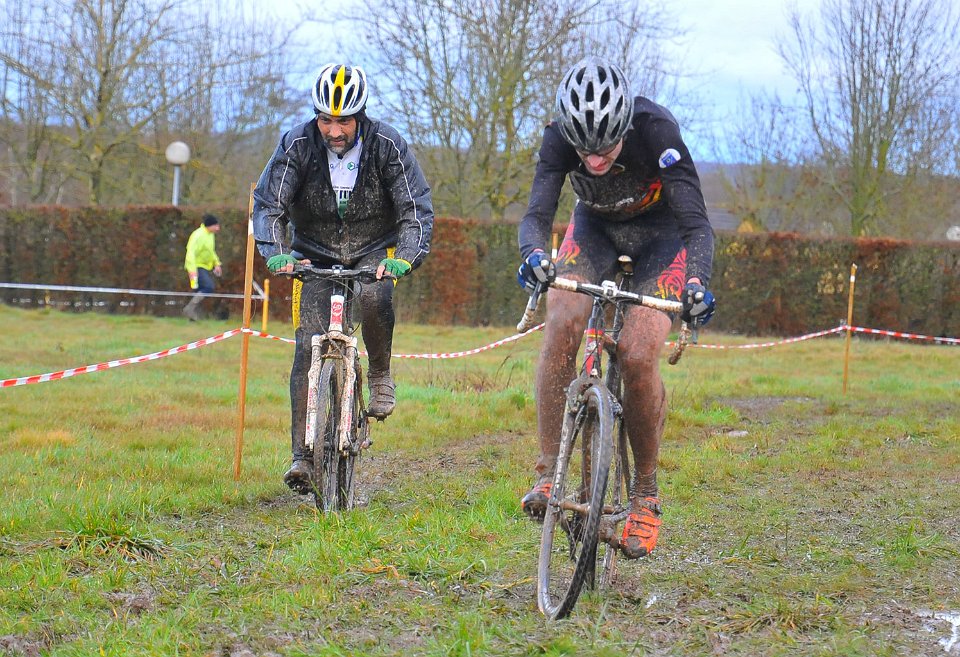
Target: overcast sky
{"points": [[731, 40], [734, 41], [729, 45]]}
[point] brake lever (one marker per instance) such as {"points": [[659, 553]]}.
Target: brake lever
{"points": [[532, 303], [686, 333]]}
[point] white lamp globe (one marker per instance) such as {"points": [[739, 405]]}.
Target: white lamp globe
{"points": [[178, 153]]}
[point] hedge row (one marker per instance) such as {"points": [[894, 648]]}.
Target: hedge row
{"points": [[769, 283]]}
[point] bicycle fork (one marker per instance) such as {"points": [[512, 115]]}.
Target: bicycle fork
{"points": [[348, 354]]}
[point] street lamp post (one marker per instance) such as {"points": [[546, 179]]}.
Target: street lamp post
{"points": [[178, 154]]}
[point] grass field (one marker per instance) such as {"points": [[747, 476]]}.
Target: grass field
{"points": [[797, 520]]}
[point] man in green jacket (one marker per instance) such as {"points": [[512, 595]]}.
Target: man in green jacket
{"points": [[201, 263]]}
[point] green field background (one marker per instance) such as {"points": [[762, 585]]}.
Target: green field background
{"points": [[798, 520]]}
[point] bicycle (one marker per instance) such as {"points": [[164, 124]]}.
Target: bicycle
{"points": [[581, 504], [336, 419]]}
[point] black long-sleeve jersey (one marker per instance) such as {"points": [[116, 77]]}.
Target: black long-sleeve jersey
{"points": [[390, 205], [653, 181]]}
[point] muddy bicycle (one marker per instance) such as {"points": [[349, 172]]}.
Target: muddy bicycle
{"points": [[337, 425], [590, 496]]}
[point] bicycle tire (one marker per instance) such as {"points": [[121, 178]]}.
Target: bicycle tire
{"points": [[325, 468], [348, 463], [559, 583]]}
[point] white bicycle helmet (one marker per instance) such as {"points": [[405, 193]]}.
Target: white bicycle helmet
{"points": [[340, 90], [594, 105]]}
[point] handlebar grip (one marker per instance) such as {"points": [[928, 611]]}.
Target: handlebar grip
{"points": [[532, 303], [567, 284], [664, 305]]}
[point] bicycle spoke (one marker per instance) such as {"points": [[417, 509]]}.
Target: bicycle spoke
{"points": [[616, 502]]}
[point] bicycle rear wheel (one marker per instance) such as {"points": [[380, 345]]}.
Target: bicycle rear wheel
{"points": [[568, 543], [616, 501], [617, 496]]}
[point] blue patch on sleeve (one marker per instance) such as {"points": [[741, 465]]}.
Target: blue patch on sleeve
{"points": [[669, 157]]}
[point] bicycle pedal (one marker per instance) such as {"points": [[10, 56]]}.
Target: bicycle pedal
{"points": [[610, 536]]}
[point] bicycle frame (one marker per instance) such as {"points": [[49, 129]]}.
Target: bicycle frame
{"points": [[336, 423], [345, 347], [597, 338], [336, 343]]}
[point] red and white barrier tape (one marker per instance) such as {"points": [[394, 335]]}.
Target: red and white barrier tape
{"points": [[442, 356], [809, 336], [261, 334], [99, 367], [901, 334]]}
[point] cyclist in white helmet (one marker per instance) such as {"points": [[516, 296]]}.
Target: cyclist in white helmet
{"points": [[638, 195], [352, 190]]}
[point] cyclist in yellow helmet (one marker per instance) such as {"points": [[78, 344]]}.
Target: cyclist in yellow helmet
{"points": [[350, 188]]}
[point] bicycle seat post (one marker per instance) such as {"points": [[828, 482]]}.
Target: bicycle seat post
{"points": [[626, 267]]}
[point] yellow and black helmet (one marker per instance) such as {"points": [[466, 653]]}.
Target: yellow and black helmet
{"points": [[340, 90]]}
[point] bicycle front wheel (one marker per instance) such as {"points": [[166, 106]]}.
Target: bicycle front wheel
{"points": [[349, 461], [568, 544], [326, 459]]}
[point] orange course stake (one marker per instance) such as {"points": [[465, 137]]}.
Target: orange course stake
{"points": [[245, 344], [846, 354]]}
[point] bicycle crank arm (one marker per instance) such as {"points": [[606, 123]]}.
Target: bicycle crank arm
{"points": [[582, 509]]}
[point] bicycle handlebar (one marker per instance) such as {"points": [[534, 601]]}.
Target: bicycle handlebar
{"points": [[606, 290], [309, 272]]}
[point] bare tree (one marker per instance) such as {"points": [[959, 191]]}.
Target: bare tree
{"points": [[112, 73], [881, 83], [32, 163], [770, 176], [232, 121], [473, 83]]}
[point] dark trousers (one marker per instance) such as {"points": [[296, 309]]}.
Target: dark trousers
{"points": [[204, 286]]}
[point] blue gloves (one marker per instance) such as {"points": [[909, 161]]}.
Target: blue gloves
{"points": [[537, 268], [698, 304]]}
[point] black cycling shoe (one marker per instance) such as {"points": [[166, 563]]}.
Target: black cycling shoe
{"points": [[534, 503], [298, 477]]}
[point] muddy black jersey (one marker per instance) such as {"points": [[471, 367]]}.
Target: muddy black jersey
{"points": [[653, 181]]}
